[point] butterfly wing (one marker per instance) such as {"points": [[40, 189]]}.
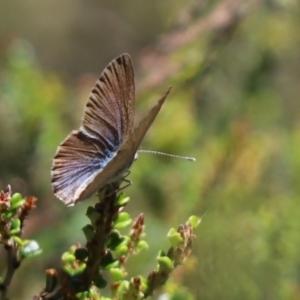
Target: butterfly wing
{"points": [[133, 144], [76, 162], [107, 123], [125, 156], [109, 112]]}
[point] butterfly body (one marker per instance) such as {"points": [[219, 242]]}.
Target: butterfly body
{"points": [[104, 147]]}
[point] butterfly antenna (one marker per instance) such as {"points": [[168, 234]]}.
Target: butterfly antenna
{"points": [[167, 154]]}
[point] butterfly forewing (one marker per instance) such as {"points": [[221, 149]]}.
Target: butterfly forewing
{"points": [[109, 112]]}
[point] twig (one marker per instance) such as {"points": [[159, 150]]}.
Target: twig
{"points": [[107, 209], [12, 265]]}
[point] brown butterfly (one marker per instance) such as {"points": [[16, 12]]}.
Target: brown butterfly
{"points": [[105, 146]]}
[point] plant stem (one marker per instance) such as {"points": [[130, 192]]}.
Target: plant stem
{"points": [[97, 247], [12, 265]]}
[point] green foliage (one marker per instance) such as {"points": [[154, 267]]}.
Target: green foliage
{"points": [[122, 220], [84, 268], [14, 208]]}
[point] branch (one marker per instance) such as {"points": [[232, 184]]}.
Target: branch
{"points": [[220, 23]]}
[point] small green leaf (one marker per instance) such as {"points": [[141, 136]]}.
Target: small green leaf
{"points": [[8, 215], [16, 201], [165, 263], [68, 269], [114, 264], [116, 274], [15, 227], [73, 249], [122, 220], [122, 289], [80, 268], [194, 221], [122, 199], [16, 197], [93, 215], [144, 284], [115, 240], [89, 232], [141, 245], [121, 250], [107, 259], [100, 282], [108, 262], [162, 253], [30, 248], [17, 204], [81, 253], [123, 216], [175, 238], [14, 232], [172, 231], [16, 223], [82, 295], [74, 271], [19, 241], [68, 258]]}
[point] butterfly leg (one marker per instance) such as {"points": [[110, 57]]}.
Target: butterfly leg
{"points": [[116, 190], [128, 182]]}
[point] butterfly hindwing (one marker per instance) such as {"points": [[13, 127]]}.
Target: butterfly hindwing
{"points": [[77, 162]]}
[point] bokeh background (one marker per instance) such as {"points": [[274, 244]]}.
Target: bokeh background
{"points": [[235, 71]]}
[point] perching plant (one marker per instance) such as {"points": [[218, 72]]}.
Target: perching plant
{"points": [[87, 269]]}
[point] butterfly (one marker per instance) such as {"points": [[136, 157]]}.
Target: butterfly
{"points": [[105, 146]]}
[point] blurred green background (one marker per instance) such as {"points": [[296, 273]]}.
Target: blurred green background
{"points": [[235, 71]]}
